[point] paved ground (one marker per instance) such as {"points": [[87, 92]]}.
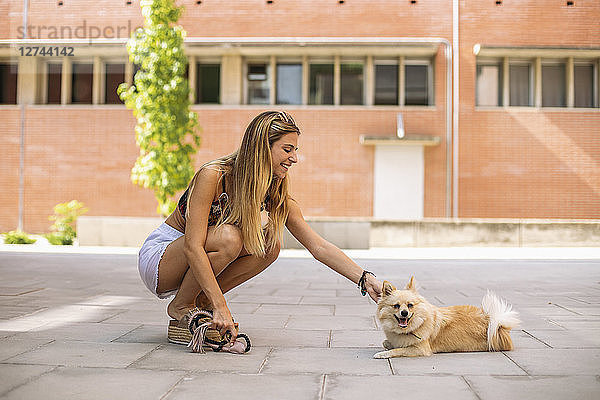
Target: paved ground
{"points": [[82, 326]]}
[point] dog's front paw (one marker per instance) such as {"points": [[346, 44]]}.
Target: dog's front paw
{"points": [[383, 354]]}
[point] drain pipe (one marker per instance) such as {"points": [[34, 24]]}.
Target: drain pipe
{"points": [[455, 103], [22, 144]]}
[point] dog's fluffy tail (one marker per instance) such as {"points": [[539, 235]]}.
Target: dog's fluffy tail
{"points": [[502, 320]]}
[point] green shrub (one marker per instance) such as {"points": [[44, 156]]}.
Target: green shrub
{"points": [[17, 237], [65, 216], [56, 238], [160, 100]]}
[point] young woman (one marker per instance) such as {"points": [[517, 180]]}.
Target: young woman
{"points": [[227, 229]]}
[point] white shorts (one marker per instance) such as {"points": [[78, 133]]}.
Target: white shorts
{"points": [[151, 253]]}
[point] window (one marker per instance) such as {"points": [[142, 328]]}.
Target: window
{"points": [[351, 84], [81, 83], [386, 84], [8, 83], [321, 84], [53, 83], [489, 85], [416, 90], [553, 85], [114, 76], [258, 84], [208, 83], [520, 85], [289, 84], [584, 85]]}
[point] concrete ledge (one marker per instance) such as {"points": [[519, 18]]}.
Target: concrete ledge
{"points": [[115, 231], [489, 232], [364, 233]]}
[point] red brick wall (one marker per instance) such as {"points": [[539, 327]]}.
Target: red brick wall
{"points": [[527, 163], [10, 139], [256, 17], [86, 153], [513, 162]]}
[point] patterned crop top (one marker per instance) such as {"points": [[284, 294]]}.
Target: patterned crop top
{"points": [[216, 208]]}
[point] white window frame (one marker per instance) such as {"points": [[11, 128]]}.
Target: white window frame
{"points": [[269, 61], [109, 60], [430, 88], [193, 62], [532, 80], [501, 63], [354, 60], [555, 62], [594, 63], [299, 60], [388, 61], [336, 78]]}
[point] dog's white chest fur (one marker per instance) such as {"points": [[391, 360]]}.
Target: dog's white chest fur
{"points": [[401, 340]]}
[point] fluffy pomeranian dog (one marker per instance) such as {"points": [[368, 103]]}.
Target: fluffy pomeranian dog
{"points": [[415, 328]]}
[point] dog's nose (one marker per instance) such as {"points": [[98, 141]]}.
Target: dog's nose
{"points": [[404, 313]]}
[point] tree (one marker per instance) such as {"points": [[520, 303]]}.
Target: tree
{"points": [[159, 98]]}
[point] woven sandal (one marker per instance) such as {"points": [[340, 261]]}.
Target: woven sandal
{"points": [[202, 336], [178, 332]]}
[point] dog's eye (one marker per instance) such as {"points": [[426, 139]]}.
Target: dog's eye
{"points": [[410, 305], [396, 306]]}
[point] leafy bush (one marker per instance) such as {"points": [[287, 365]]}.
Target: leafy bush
{"points": [[160, 100], [56, 238], [65, 216], [17, 237]]}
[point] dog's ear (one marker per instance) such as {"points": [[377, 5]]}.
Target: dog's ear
{"points": [[412, 285], [388, 288]]}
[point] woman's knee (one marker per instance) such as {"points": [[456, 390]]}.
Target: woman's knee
{"points": [[227, 240]]}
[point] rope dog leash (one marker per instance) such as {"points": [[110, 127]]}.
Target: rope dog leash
{"points": [[198, 326]]}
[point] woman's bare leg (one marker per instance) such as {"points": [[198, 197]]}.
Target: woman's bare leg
{"points": [[223, 245], [239, 271]]}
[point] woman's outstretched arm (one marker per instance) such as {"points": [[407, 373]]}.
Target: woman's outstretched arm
{"points": [[328, 253]]}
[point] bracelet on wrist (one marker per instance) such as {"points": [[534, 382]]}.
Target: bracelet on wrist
{"points": [[362, 282]]}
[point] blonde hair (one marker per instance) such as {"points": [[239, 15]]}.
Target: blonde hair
{"points": [[252, 182]]}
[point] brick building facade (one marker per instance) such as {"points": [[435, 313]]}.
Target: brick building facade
{"points": [[521, 139]]}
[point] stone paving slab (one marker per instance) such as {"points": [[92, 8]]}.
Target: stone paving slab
{"points": [[11, 346], [144, 334], [248, 387], [262, 299], [179, 357], [480, 363], [333, 322], [287, 337], [567, 339], [348, 301], [98, 383], [12, 376], [77, 331], [84, 354], [289, 309], [355, 338], [283, 361], [557, 361], [397, 387], [535, 388]]}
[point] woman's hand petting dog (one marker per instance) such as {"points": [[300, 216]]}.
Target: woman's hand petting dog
{"points": [[374, 287]]}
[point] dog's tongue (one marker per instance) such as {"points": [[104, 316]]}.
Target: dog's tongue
{"points": [[402, 322]]}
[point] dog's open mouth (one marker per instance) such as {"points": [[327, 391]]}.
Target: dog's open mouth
{"points": [[402, 321]]}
